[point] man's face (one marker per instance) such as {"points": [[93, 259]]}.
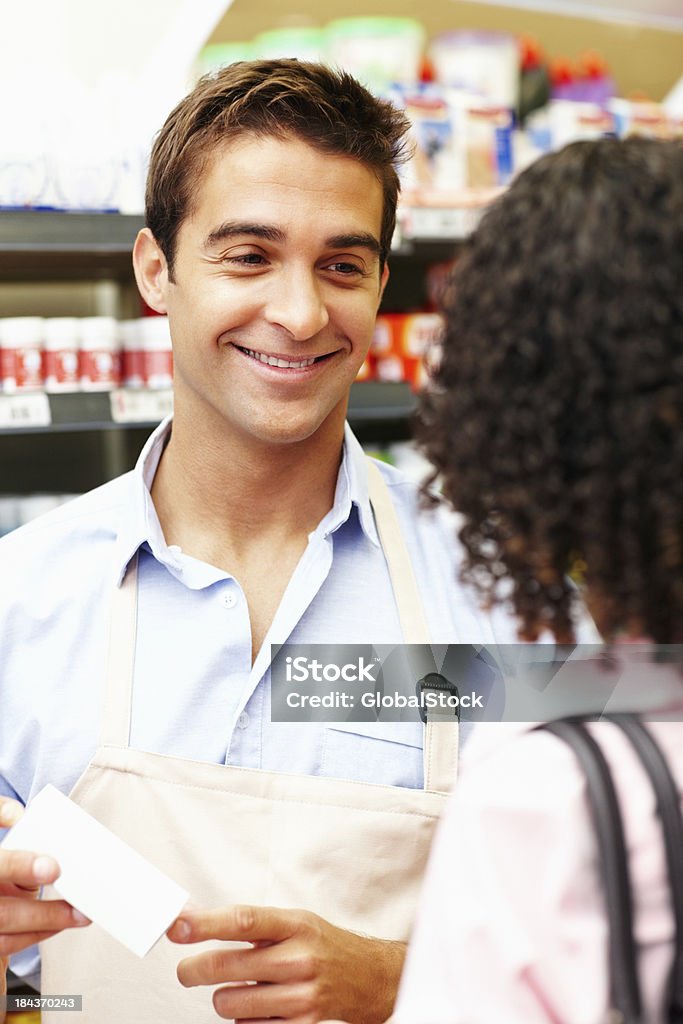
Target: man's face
{"points": [[276, 285]]}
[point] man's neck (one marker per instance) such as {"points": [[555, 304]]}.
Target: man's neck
{"points": [[219, 497]]}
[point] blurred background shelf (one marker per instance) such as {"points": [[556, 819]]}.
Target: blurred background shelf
{"points": [[372, 402], [44, 244]]}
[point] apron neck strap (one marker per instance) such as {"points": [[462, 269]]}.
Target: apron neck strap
{"points": [[118, 687], [441, 738]]}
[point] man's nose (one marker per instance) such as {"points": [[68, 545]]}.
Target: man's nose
{"points": [[297, 304]]}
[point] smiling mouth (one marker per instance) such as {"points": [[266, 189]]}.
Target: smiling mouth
{"points": [[284, 364]]}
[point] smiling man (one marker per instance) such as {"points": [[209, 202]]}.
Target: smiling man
{"points": [[137, 636], [272, 290]]}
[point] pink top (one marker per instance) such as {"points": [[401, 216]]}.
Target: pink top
{"points": [[511, 928]]}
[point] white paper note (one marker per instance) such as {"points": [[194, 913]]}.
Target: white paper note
{"points": [[101, 876]]}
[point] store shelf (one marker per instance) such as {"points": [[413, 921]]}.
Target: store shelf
{"points": [[45, 245], [371, 403], [436, 222], [36, 412], [381, 401], [42, 244]]}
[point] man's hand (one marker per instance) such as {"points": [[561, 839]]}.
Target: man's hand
{"points": [[305, 969], [24, 920]]}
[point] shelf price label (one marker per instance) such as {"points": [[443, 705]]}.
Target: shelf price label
{"points": [[440, 223], [132, 406], [29, 410]]}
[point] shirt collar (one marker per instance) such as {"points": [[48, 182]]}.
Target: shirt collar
{"points": [[351, 491], [142, 522]]}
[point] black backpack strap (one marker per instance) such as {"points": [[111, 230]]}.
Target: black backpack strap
{"points": [[669, 809], [624, 986]]}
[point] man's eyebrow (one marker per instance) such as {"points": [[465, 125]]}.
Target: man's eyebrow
{"points": [[362, 240], [231, 229]]}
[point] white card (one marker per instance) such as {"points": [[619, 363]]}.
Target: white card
{"points": [[101, 876]]}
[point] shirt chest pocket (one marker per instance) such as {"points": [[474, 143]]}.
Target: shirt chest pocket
{"points": [[386, 753]]}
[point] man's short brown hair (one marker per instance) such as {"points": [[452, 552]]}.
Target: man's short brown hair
{"points": [[324, 107]]}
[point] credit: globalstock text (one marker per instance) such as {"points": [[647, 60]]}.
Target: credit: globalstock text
{"points": [[431, 701]]}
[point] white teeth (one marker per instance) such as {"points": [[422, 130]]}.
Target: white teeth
{"points": [[274, 361]]}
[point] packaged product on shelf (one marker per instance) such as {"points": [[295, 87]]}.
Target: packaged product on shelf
{"points": [[378, 51], [387, 361], [416, 336], [8, 359], [131, 353], [402, 344], [21, 339], [488, 145], [99, 356], [564, 80], [60, 353], [639, 118], [23, 158], [389, 368], [157, 356], [383, 335], [438, 161], [86, 167], [596, 82], [461, 141], [597, 123], [570, 121], [484, 64]]}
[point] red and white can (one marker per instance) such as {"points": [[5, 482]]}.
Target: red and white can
{"points": [[387, 364], [418, 341], [60, 353], [131, 353], [21, 340], [99, 356], [157, 354], [383, 335]]}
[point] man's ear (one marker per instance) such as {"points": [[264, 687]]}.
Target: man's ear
{"points": [[151, 270], [383, 283]]}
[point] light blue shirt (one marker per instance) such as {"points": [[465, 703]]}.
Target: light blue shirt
{"points": [[196, 694]]}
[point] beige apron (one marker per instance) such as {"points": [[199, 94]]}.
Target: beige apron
{"points": [[352, 852]]}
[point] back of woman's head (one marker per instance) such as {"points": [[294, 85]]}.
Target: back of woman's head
{"points": [[556, 418]]}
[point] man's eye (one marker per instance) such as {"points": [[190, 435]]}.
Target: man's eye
{"points": [[345, 268], [249, 259]]}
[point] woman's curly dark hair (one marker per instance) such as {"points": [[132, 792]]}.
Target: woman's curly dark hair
{"points": [[556, 418]]}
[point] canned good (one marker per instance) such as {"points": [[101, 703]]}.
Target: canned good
{"points": [[99, 360], [60, 354], [157, 354], [131, 353], [21, 340]]}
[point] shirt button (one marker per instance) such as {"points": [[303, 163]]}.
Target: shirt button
{"points": [[243, 720], [229, 599]]}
